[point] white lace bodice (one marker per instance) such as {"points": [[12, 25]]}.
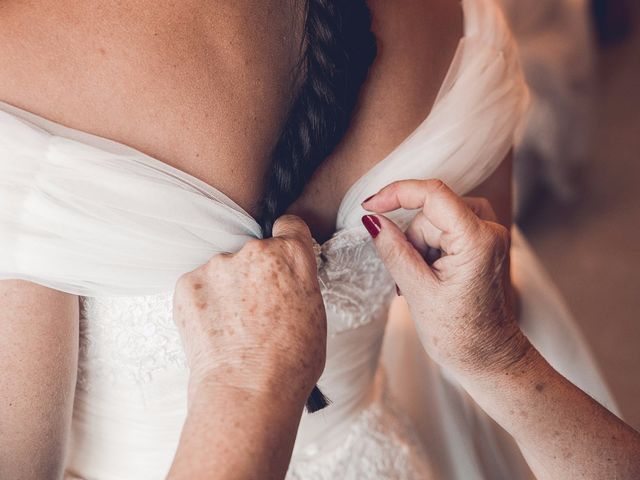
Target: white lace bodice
{"points": [[130, 344], [129, 339]]}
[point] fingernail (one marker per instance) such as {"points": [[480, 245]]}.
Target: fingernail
{"points": [[368, 198], [372, 224]]}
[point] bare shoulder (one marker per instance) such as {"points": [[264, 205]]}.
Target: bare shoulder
{"points": [[417, 40], [193, 83]]}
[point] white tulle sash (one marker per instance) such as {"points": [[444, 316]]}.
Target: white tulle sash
{"points": [[89, 216], [96, 220]]}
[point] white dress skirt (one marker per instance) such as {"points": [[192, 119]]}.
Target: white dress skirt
{"points": [[93, 217]]}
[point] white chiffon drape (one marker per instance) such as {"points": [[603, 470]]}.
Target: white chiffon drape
{"points": [[93, 217], [64, 190]]}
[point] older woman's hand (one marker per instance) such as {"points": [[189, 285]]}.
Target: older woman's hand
{"points": [[255, 319], [452, 267], [254, 329]]}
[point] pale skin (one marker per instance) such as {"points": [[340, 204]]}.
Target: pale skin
{"points": [[203, 89]]}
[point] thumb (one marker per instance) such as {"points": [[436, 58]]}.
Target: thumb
{"points": [[405, 264], [292, 227]]}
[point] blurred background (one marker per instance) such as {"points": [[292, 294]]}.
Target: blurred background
{"points": [[577, 169]]}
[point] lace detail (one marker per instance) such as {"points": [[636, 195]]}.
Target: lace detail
{"points": [[127, 339], [353, 280], [131, 339], [380, 444]]}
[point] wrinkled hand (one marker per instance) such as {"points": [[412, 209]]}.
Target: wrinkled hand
{"points": [[452, 266], [255, 319]]}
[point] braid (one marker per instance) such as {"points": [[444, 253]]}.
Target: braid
{"points": [[338, 50]]}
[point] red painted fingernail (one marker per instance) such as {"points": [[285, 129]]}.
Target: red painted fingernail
{"points": [[368, 198], [372, 224]]}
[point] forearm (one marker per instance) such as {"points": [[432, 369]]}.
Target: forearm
{"points": [[233, 433], [562, 431], [463, 317]]}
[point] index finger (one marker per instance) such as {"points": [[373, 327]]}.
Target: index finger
{"points": [[440, 205]]}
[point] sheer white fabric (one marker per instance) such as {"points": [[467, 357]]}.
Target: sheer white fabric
{"points": [[96, 218], [89, 216]]}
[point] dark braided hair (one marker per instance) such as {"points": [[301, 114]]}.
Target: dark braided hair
{"points": [[338, 49]]}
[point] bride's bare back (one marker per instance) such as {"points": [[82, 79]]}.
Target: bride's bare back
{"points": [[203, 86], [200, 85]]}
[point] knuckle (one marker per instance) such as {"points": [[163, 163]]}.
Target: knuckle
{"points": [[393, 187], [487, 208], [288, 218], [294, 247], [300, 260], [437, 186], [485, 205], [253, 244], [504, 236], [183, 282], [213, 263], [474, 205], [273, 256], [292, 225], [497, 238], [280, 247], [218, 266], [297, 247], [390, 254], [279, 222], [494, 243]]}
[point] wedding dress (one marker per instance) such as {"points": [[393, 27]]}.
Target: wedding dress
{"points": [[93, 217]]}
